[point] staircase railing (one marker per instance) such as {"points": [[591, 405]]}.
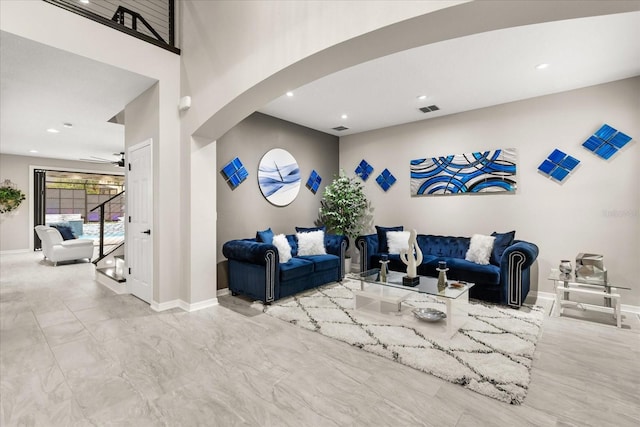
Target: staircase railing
{"points": [[158, 28], [116, 217]]}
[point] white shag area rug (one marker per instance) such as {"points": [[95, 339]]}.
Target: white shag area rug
{"points": [[490, 354]]}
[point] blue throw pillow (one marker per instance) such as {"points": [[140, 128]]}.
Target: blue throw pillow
{"points": [[308, 229], [265, 236], [382, 236], [502, 242], [65, 231]]}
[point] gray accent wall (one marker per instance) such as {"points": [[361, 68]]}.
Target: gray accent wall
{"points": [[244, 210], [595, 210]]}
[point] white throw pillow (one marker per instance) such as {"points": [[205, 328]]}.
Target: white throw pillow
{"points": [[311, 243], [397, 240], [284, 248], [480, 249]]}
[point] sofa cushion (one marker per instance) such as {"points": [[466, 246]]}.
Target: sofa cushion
{"points": [[294, 268], [397, 240], [323, 262], [284, 249], [65, 231], [460, 269], [443, 246], [382, 236], [293, 242], [502, 242], [480, 249], [264, 236], [311, 243], [308, 229]]}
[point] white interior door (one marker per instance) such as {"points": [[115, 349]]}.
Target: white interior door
{"points": [[140, 221]]}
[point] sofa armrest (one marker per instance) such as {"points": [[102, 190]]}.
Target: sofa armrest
{"points": [[515, 272], [337, 244], [367, 246], [248, 251], [528, 250]]}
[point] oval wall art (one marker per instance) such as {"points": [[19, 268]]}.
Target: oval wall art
{"points": [[279, 177]]}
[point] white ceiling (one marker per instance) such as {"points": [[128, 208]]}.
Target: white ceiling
{"points": [[43, 87], [468, 73]]}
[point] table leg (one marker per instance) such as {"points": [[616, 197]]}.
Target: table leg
{"points": [[557, 306], [618, 314]]}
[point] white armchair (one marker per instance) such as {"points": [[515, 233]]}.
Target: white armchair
{"points": [[56, 249]]}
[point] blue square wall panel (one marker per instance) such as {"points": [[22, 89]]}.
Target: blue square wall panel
{"points": [[558, 165], [385, 180], [363, 170], [606, 142], [569, 163], [547, 166], [619, 140], [313, 183], [235, 172], [559, 174]]}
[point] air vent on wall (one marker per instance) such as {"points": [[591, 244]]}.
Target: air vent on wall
{"points": [[429, 109], [340, 128]]}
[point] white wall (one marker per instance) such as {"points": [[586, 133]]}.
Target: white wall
{"points": [[596, 209], [16, 233], [53, 26]]}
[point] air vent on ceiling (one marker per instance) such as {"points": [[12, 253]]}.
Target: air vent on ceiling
{"points": [[340, 128], [429, 109]]}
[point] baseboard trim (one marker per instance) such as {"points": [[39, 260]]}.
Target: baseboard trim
{"points": [[551, 296], [15, 251], [183, 305], [222, 292]]}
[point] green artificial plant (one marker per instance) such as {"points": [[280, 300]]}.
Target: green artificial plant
{"points": [[344, 206], [10, 197]]}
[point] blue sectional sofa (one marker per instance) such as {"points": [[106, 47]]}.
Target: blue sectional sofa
{"points": [[255, 269], [505, 280]]}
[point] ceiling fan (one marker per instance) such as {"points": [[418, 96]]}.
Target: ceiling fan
{"points": [[118, 163]]}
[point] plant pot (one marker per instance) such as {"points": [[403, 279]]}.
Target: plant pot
{"points": [[347, 265]]}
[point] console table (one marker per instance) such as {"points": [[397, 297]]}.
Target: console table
{"points": [[565, 286]]}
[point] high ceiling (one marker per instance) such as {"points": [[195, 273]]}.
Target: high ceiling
{"points": [[468, 73], [43, 87]]}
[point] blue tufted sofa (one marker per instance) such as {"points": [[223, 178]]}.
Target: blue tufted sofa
{"points": [[505, 280], [255, 269]]}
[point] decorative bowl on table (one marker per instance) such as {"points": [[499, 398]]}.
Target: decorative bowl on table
{"points": [[429, 314]]}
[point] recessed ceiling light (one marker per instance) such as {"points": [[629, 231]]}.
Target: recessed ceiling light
{"points": [[344, 116], [67, 125], [52, 130], [33, 151], [421, 97], [289, 94], [541, 66]]}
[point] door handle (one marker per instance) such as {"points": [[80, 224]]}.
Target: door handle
{"points": [[146, 232]]}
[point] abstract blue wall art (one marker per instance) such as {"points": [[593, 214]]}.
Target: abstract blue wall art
{"points": [[234, 172], [279, 177], [479, 172], [364, 169], [606, 142], [385, 180], [558, 165], [313, 183]]}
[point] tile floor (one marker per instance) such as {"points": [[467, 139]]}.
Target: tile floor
{"points": [[72, 353]]}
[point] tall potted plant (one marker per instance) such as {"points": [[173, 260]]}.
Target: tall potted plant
{"points": [[344, 207]]}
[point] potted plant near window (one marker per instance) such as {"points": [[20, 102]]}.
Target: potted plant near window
{"points": [[343, 208]]}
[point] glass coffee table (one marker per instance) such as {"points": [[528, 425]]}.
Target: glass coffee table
{"points": [[387, 297]]}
